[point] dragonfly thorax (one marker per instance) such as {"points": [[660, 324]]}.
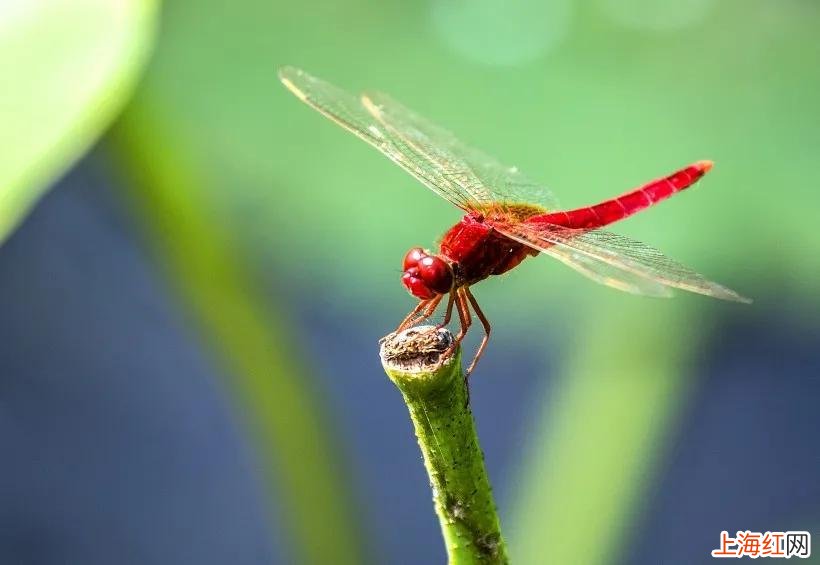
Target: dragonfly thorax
{"points": [[425, 275]]}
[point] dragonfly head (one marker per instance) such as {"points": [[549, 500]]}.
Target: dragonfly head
{"points": [[426, 276]]}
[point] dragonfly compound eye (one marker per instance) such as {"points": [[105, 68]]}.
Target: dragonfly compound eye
{"points": [[413, 257], [415, 285], [436, 273]]}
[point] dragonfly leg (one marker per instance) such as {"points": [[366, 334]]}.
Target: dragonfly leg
{"points": [[448, 313], [430, 310], [487, 329], [464, 315], [428, 307], [464, 318], [407, 319], [466, 321]]}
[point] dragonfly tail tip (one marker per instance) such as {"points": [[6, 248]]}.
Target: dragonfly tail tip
{"points": [[705, 166]]}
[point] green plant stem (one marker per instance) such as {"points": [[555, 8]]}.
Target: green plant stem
{"points": [[433, 389]]}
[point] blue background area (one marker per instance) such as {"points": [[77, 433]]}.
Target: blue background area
{"points": [[118, 443]]}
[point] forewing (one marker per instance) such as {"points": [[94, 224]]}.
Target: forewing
{"points": [[346, 110], [480, 175], [611, 254]]}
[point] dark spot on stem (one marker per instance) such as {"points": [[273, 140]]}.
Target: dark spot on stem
{"points": [[488, 544]]}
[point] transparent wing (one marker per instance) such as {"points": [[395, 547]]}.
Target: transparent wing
{"points": [[616, 260], [463, 175], [488, 181], [606, 274], [445, 178]]}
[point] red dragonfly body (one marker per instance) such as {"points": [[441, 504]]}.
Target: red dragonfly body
{"points": [[475, 250], [508, 216]]}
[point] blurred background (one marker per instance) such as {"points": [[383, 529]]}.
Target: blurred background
{"points": [[196, 269]]}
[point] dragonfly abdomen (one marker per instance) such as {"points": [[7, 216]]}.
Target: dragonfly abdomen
{"points": [[609, 211]]}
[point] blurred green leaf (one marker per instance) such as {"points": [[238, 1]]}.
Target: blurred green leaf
{"points": [[256, 346], [600, 436], [67, 67]]}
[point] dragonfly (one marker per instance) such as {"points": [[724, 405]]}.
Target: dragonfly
{"points": [[507, 216]]}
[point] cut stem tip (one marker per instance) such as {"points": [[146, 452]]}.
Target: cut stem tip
{"points": [[417, 349]]}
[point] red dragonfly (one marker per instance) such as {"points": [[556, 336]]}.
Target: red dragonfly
{"points": [[508, 217]]}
